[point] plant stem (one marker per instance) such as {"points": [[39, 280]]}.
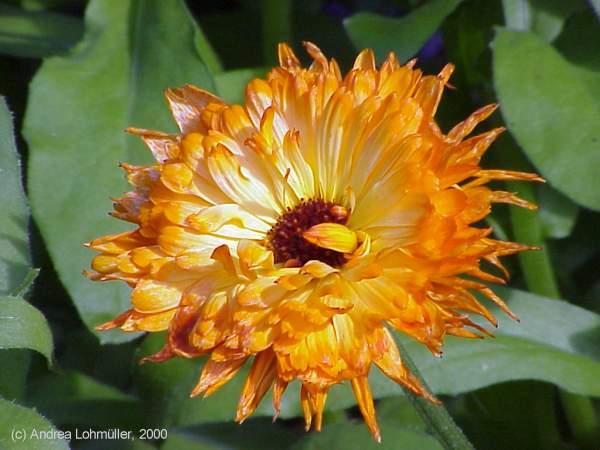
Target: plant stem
{"points": [[435, 416], [276, 27], [540, 279]]}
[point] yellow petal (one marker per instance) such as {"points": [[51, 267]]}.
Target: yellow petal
{"points": [[332, 236], [155, 296], [211, 219]]}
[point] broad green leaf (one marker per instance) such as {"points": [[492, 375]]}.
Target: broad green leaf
{"points": [[165, 388], [557, 213], [581, 29], [255, 434], [231, 85], [355, 436], [544, 17], [517, 14], [17, 318], [24, 429], [517, 415], [36, 34], [595, 6], [325, 30], [23, 326], [466, 42], [404, 35], [235, 35], [111, 444], [14, 243], [276, 27], [548, 108], [555, 342], [400, 410], [13, 372], [436, 417], [22, 289], [206, 52], [77, 110], [108, 363], [72, 398]]}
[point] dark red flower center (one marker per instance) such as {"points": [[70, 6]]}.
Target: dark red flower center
{"points": [[287, 243]]}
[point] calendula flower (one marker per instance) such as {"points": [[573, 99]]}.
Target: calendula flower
{"points": [[299, 228]]}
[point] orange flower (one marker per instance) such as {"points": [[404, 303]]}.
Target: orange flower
{"points": [[300, 227]]}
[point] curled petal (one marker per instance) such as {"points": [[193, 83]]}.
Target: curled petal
{"points": [[332, 236], [313, 399], [261, 376], [215, 374], [390, 363], [187, 104], [362, 392], [279, 388]]}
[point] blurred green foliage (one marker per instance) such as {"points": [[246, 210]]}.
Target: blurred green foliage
{"points": [[75, 73]]}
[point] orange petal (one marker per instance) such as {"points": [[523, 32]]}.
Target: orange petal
{"points": [[465, 127], [162, 145], [287, 58], [390, 363], [187, 103], [449, 202], [261, 376], [279, 388], [362, 392], [316, 397], [215, 374], [365, 60], [116, 322]]}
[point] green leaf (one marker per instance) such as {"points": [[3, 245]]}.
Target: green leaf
{"points": [[165, 388], [22, 289], [206, 52], [231, 85], [466, 42], [554, 341], [544, 17], [23, 326], [355, 436], [72, 398], [595, 6], [517, 415], [276, 27], [15, 261], [13, 372], [21, 428], [255, 434], [557, 213], [438, 419], [78, 108], [573, 43], [36, 34], [548, 108], [405, 35], [111, 444]]}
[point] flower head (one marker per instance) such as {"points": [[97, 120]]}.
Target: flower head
{"points": [[299, 228]]}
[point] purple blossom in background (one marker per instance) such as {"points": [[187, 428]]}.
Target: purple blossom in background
{"points": [[433, 47], [336, 9]]}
